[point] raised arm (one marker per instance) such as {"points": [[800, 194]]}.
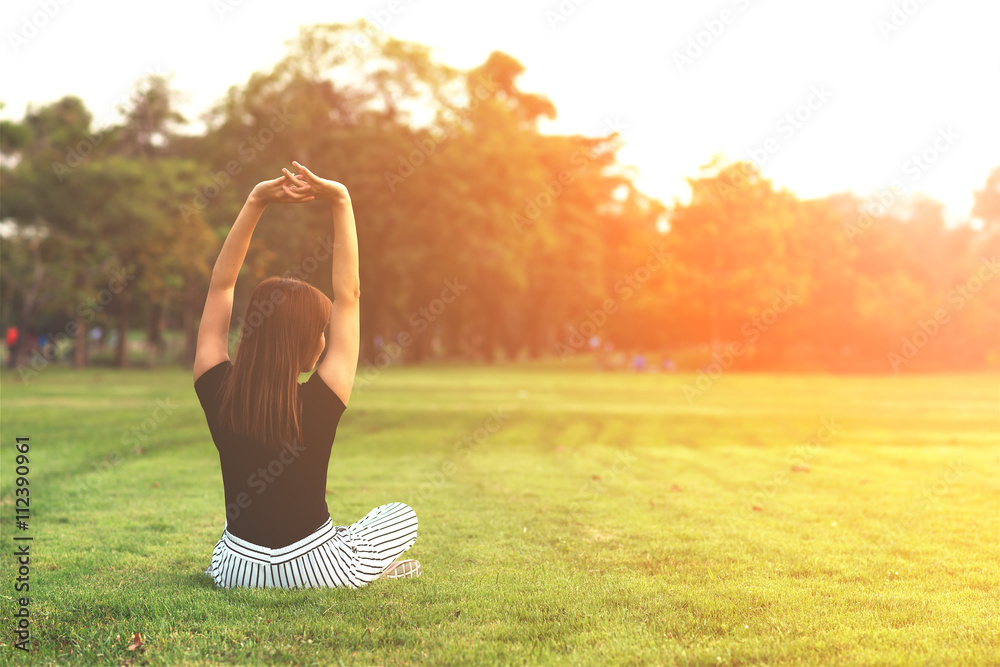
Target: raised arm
{"points": [[213, 332], [340, 364]]}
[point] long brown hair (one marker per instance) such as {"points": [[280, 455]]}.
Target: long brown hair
{"points": [[282, 328]]}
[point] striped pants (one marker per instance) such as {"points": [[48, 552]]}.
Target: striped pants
{"points": [[331, 557]]}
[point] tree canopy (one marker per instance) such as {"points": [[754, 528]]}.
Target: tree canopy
{"points": [[480, 237]]}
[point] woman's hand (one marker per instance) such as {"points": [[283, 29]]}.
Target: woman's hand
{"points": [[286, 189], [321, 187]]}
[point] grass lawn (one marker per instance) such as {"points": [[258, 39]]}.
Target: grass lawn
{"points": [[607, 519]]}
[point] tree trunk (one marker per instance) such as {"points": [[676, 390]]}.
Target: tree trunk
{"points": [[489, 339], [82, 340], [421, 343], [453, 335], [154, 333], [7, 302], [188, 315], [370, 326], [715, 323], [371, 317], [510, 340], [124, 307], [28, 310], [534, 330]]}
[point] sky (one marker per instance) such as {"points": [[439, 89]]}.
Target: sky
{"points": [[825, 97]]}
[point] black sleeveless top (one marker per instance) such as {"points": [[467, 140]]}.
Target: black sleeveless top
{"points": [[273, 497]]}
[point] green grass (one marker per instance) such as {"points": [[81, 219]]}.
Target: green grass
{"points": [[608, 520]]}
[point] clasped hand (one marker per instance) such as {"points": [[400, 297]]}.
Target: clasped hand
{"points": [[292, 188]]}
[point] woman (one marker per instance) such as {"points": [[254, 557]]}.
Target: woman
{"points": [[274, 435]]}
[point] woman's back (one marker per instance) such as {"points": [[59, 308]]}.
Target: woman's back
{"points": [[274, 496]]}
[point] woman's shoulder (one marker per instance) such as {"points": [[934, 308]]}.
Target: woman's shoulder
{"points": [[317, 389], [212, 375]]}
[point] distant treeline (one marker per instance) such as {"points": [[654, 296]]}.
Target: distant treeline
{"points": [[480, 238]]}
